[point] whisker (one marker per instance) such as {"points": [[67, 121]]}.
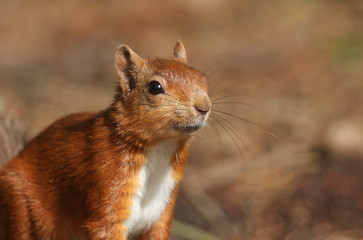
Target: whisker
{"points": [[240, 103], [211, 91], [173, 100], [215, 128], [233, 129], [153, 105], [226, 88], [233, 95], [248, 121], [177, 100], [165, 123], [209, 76], [209, 71], [231, 136], [176, 103], [164, 106], [211, 81]]}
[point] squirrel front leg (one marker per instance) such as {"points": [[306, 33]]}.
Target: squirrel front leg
{"points": [[16, 226], [108, 213], [105, 220], [100, 231]]}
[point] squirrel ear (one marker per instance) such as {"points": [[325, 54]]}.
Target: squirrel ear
{"points": [[179, 52], [127, 65]]}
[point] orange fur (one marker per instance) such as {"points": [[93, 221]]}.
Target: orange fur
{"points": [[78, 176]]}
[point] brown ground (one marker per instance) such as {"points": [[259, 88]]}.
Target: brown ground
{"points": [[300, 64]]}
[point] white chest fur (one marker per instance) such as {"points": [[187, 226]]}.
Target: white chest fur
{"points": [[156, 185]]}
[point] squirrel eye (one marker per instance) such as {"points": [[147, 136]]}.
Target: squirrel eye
{"points": [[155, 88]]}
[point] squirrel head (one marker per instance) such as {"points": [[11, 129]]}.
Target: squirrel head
{"points": [[160, 98]]}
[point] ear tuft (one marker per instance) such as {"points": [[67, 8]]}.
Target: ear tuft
{"points": [[179, 52], [127, 65]]}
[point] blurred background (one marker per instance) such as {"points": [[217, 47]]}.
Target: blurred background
{"points": [[286, 68]]}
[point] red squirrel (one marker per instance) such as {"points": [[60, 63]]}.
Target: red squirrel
{"points": [[114, 174]]}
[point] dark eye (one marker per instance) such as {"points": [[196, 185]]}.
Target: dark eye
{"points": [[155, 88]]}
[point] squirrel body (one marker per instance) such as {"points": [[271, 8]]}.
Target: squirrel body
{"points": [[113, 174]]}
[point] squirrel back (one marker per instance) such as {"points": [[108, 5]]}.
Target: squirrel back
{"points": [[112, 174]]}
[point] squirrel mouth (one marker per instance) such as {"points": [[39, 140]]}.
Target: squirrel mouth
{"points": [[188, 128]]}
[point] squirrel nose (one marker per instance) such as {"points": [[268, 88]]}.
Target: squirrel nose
{"points": [[202, 109], [202, 104]]}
